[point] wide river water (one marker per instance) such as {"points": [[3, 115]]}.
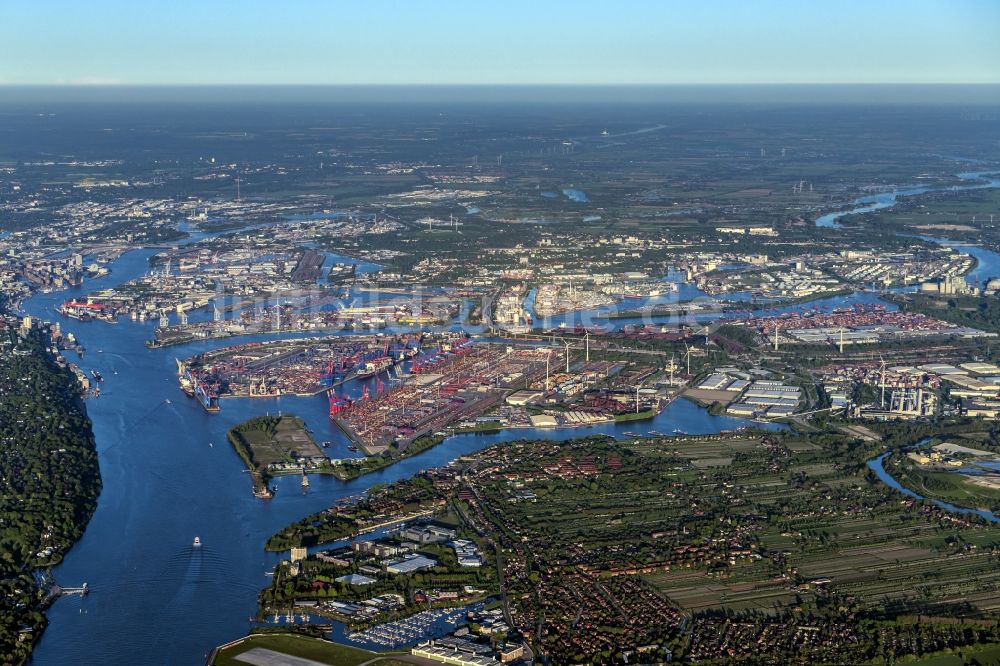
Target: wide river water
{"points": [[170, 475]]}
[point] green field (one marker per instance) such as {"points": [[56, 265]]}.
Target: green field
{"points": [[987, 655], [272, 440], [306, 647]]}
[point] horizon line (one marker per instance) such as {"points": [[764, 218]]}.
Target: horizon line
{"points": [[119, 84]]}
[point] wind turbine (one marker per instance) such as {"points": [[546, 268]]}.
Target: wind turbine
{"points": [[548, 357], [882, 379]]}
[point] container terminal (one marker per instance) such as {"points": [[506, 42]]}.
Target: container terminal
{"points": [[297, 367]]}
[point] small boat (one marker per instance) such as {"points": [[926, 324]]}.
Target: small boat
{"points": [[352, 448], [305, 481], [326, 444], [197, 542]]}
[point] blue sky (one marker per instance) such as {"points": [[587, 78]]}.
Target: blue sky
{"points": [[498, 42]]}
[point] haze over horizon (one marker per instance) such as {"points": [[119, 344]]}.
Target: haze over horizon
{"points": [[637, 42]]}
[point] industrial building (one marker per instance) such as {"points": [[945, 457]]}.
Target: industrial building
{"points": [[411, 564]]}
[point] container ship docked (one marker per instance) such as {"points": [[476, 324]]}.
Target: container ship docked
{"points": [[80, 311], [373, 367], [378, 362], [193, 387]]}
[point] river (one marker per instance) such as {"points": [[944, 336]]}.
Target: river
{"points": [[868, 204], [877, 465], [987, 265], [170, 475]]}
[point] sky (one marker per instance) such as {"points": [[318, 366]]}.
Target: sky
{"points": [[530, 42]]}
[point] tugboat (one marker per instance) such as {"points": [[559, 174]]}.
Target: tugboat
{"points": [[197, 542]]}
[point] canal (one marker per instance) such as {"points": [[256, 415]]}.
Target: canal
{"points": [[877, 465]]}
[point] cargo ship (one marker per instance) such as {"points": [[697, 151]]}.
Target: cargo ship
{"points": [[338, 403], [79, 311], [187, 387], [373, 367], [208, 400], [564, 329]]}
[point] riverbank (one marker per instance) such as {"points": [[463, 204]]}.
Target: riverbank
{"points": [[950, 479], [144, 434], [877, 465], [349, 470], [50, 476], [875, 202], [271, 445], [736, 306]]}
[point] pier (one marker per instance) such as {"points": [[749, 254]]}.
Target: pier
{"points": [[81, 591]]}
